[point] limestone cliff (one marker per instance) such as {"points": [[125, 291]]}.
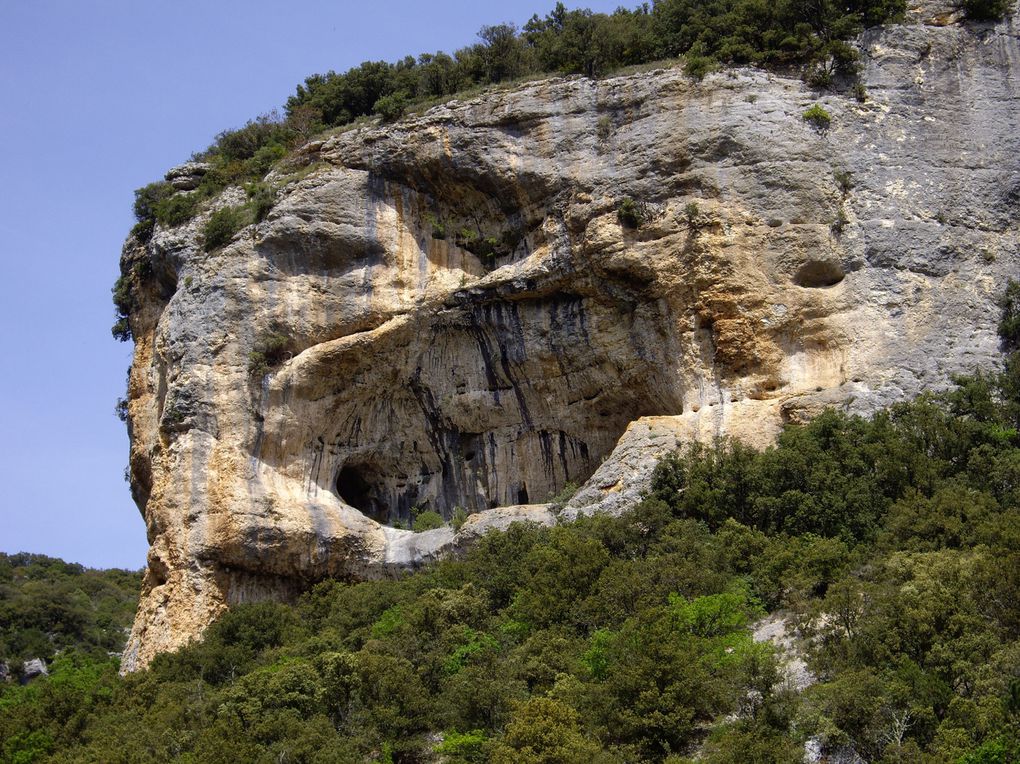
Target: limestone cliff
{"points": [[459, 318]]}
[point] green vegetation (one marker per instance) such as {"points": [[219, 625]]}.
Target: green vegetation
{"points": [[631, 214], [437, 226], [818, 116], [460, 516], [48, 606], [809, 38], [891, 543], [565, 494], [425, 520], [271, 350], [986, 10], [222, 225]]}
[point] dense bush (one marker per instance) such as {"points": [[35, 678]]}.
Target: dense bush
{"points": [[48, 605], [426, 520], [222, 225], [986, 10], [271, 350], [630, 213]]}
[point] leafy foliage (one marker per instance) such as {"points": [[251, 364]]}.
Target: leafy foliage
{"points": [[818, 116], [630, 213], [986, 10], [222, 225], [48, 606], [891, 541], [426, 520], [271, 350]]}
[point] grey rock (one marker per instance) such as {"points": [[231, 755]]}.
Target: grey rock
{"points": [[33, 668], [188, 176]]}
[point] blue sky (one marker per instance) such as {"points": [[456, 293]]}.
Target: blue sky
{"points": [[98, 98]]}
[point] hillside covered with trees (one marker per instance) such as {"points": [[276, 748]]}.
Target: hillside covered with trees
{"points": [[48, 606]]}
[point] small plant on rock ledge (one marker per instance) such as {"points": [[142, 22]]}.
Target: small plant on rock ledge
{"points": [[844, 181], [425, 519], [460, 516], [261, 198], [818, 117], [840, 222], [630, 213], [270, 351], [438, 229], [692, 214], [222, 226], [565, 494]]}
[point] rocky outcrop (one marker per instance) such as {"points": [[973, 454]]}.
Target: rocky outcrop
{"points": [[447, 312], [33, 669]]}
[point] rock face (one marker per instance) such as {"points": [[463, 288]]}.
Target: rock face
{"points": [[448, 312], [33, 668]]}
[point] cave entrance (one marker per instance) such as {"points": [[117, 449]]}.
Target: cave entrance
{"points": [[355, 490]]}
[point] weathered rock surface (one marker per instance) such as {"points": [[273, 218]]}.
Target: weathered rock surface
{"points": [[468, 324], [33, 668]]}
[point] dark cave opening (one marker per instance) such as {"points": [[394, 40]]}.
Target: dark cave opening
{"points": [[818, 274], [355, 490]]}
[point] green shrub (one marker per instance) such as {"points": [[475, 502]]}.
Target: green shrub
{"points": [[267, 131], [1009, 324], [463, 746], [692, 213], [121, 329], [270, 351], [840, 221], [262, 161], [565, 494], [630, 213], [391, 107], [148, 199], [426, 520], [222, 225], [818, 116], [844, 181], [261, 198], [986, 10], [178, 209], [698, 66], [124, 299], [460, 516], [437, 226]]}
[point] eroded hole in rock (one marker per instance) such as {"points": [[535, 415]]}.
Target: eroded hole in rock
{"points": [[818, 273], [353, 486]]}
